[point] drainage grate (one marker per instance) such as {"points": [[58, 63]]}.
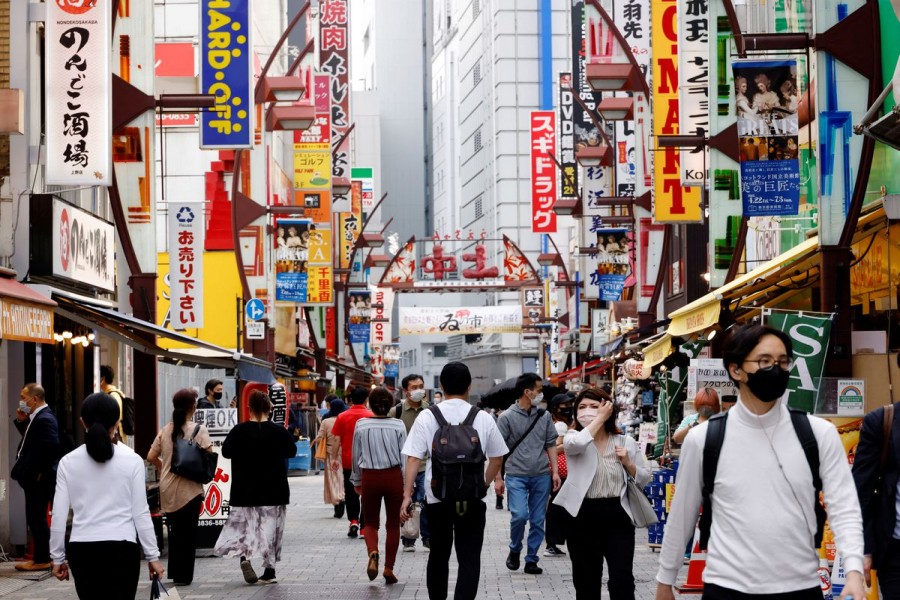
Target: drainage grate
{"points": [[9, 585], [299, 591]]}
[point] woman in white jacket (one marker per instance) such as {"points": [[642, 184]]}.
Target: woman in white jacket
{"points": [[600, 461]]}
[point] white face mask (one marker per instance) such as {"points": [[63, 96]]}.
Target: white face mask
{"points": [[537, 399], [587, 416], [417, 395], [23, 406]]}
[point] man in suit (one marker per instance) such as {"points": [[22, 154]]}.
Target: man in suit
{"points": [[877, 499], [35, 469]]}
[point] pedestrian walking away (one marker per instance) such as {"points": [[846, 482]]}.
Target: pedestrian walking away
{"points": [[600, 460], [562, 410], [334, 476], [104, 484], [107, 386], [757, 471], [35, 469], [531, 470], [258, 450], [378, 475], [408, 411], [454, 496], [343, 428], [179, 496]]}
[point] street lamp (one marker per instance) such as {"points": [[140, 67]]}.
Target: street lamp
{"points": [[612, 76], [616, 108], [595, 156], [297, 117], [340, 186], [568, 206], [280, 89]]}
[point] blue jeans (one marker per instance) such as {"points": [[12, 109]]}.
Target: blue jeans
{"points": [[527, 498], [419, 496]]}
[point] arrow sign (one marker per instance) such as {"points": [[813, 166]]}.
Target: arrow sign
{"points": [[255, 309]]}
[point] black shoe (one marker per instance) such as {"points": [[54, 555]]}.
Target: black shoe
{"points": [[532, 569], [354, 529], [553, 551], [426, 543], [247, 570], [339, 510], [499, 502], [268, 576], [512, 561]]}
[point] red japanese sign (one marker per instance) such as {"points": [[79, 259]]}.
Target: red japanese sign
{"points": [[543, 171]]}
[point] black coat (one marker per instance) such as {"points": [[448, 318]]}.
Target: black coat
{"points": [[878, 509], [39, 451], [258, 453]]}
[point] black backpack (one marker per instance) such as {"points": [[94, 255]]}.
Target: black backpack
{"points": [[127, 412], [457, 459], [715, 435]]}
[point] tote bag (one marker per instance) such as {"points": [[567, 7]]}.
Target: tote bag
{"points": [[642, 513], [191, 461]]}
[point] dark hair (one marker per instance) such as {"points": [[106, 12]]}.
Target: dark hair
{"points": [[329, 398], [211, 385], [107, 374], [380, 401], [598, 395], [742, 340], [559, 399], [410, 378], [183, 402], [259, 403], [525, 381], [359, 395], [337, 407], [99, 412], [455, 379]]}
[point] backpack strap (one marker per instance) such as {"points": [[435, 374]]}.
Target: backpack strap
{"points": [[438, 415], [804, 432], [712, 448], [398, 410], [470, 418], [887, 423]]}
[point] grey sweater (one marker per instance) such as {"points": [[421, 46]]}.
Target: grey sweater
{"points": [[530, 458]]}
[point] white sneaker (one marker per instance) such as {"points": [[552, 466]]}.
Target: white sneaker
{"points": [[410, 548]]}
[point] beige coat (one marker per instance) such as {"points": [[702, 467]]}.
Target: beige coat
{"points": [[334, 475]]}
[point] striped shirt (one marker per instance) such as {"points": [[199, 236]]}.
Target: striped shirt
{"points": [[377, 443], [608, 480]]}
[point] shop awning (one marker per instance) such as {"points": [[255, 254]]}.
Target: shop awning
{"points": [[142, 335], [582, 371], [25, 314]]}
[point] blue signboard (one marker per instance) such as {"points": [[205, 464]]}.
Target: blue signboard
{"points": [[225, 59]]}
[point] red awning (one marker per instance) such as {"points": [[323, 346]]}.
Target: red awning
{"points": [[580, 372], [11, 288]]}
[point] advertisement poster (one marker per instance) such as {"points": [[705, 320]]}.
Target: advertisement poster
{"points": [[360, 316], [851, 395], [613, 260], [568, 180], [810, 334], [766, 100], [186, 233], [334, 60], [390, 355], [709, 373], [532, 305], [78, 88], [225, 59], [543, 171], [292, 242], [457, 321], [217, 493]]}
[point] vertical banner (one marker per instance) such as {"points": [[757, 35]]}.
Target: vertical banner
{"points": [[554, 349], [360, 316], [672, 202], [312, 158], [350, 224], [613, 259], [810, 334], [334, 59], [543, 171], [568, 178], [383, 301], [693, 88], [390, 354], [78, 90], [186, 233], [225, 63], [367, 189], [766, 103], [292, 239]]}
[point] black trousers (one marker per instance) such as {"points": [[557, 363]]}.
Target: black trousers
{"points": [[555, 524], [715, 592], [445, 523], [183, 541], [889, 572], [351, 499], [38, 496], [108, 570], [601, 530]]}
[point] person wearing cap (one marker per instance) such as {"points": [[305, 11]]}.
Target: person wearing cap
{"points": [[706, 403], [561, 408]]}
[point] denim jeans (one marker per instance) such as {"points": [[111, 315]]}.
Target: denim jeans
{"points": [[419, 496], [527, 498]]}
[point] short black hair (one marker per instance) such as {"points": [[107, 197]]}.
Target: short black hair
{"points": [[455, 379], [381, 401], [107, 374], [359, 395], [410, 378], [742, 340], [211, 385], [525, 381]]}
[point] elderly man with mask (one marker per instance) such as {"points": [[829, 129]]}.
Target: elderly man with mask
{"points": [[706, 403]]}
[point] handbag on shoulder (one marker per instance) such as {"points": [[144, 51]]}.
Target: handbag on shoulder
{"points": [[193, 462]]}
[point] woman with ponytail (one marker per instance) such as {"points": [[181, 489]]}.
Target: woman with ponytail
{"points": [[180, 497], [103, 483]]}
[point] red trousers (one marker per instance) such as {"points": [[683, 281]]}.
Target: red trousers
{"points": [[386, 484]]}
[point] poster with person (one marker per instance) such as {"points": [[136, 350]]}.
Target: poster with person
{"points": [[360, 316], [292, 241]]}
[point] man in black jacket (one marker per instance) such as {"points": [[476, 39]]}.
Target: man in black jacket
{"points": [[35, 469]]}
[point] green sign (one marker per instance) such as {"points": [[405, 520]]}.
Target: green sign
{"points": [[809, 334]]}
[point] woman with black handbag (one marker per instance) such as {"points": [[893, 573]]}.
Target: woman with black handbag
{"points": [[180, 497]]}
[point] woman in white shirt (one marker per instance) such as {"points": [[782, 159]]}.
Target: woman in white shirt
{"points": [[103, 483], [599, 461]]}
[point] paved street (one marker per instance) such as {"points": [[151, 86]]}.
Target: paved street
{"points": [[319, 561]]}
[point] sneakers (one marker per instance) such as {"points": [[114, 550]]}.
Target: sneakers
{"points": [[409, 547], [354, 529], [553, 551], [339, 510], [30, 565], [512, 561], [372, 567], [532, 569], [268, 576], [249, 573]]}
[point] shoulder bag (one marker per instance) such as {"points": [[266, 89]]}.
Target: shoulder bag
{"points": [[193, 462], [642, 513], [540, 413]]}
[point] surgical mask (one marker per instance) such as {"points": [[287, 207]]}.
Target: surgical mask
{"points": [[538, 398], [417, 395], [768, 384], [23, 406], [217, 395], [586, 417]]}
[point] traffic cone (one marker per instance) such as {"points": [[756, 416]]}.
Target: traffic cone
{"points": [[694, 582]]}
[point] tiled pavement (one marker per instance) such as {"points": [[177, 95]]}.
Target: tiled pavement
{"points": [[319, 562]]}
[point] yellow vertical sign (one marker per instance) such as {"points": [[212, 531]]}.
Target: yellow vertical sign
{"points": [[673, 203]]}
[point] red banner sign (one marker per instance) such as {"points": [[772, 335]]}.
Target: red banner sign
{"points": [[543, 171]]}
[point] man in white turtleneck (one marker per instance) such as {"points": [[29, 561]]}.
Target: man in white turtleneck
{"points": [[763, 516]]}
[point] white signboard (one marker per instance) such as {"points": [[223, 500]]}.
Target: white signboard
{"points": [[422, 320], [84, 247], [382, 307], [186, 233], [693, 84], [711, 373], [78, 92], [256, 330], [851, 397]]}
